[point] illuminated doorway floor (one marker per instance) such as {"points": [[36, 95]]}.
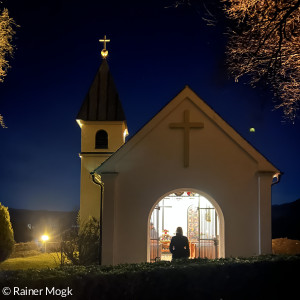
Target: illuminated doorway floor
{"points": [[166, 257]]}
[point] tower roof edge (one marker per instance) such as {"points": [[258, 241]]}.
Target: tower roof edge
{"points": [[102, 102]]}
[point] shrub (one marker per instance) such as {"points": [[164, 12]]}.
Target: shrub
{"points": [[88, 241], [6, 234], [81, 247], [28, 246], [285, 246], [25, 250]]}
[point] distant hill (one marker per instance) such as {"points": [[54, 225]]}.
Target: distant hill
{"points": [[29, 225], [286, 220]]}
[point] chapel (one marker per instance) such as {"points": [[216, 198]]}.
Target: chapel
{"points": [[186, 167]]}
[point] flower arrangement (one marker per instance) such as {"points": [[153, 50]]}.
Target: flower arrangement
{"points": [[165, 237]]}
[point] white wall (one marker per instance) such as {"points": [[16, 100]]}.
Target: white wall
{"points": [[219, 168]]}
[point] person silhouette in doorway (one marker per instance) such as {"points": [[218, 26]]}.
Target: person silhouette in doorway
{"points": [[179, 246]]}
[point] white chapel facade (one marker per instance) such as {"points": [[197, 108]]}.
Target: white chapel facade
{"points": [[186, 167]]}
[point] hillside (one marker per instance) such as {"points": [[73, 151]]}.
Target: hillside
{"points": [[286, 221], [30, 224]]}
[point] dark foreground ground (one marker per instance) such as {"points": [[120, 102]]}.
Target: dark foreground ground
{"points": [[262, 277]]}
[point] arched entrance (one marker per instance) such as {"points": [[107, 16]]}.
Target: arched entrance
{"points": [[200, 218]]}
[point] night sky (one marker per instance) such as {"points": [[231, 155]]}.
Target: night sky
{"points": [[154, 52]]}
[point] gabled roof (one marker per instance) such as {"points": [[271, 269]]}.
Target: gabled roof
{"points": [[187, 93], [102, 102]]}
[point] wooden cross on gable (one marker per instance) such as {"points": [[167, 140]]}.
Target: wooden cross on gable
{"points": [[186, 125]]}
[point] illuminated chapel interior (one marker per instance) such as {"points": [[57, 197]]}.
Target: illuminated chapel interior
{"points": [[198, 219]]}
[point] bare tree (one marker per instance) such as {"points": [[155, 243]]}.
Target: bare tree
{"points": [[7, 32], [265, 44]]}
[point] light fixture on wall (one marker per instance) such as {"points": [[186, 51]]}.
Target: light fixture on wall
{"points": [[208, 215]]}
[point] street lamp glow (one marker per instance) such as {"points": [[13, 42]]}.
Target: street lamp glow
{"points": [[45, 237]]}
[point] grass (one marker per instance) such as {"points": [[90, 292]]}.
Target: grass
{"points": [[28, 256], [40, 261]]}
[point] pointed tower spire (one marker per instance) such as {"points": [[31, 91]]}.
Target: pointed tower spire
{"points": [[102, 102]]}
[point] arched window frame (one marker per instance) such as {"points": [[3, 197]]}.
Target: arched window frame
{"points": [[101, 139]]}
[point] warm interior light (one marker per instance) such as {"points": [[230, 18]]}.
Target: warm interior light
{"points": [[45, 237]]}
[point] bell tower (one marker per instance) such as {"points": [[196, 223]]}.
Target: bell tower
{"points": [[103, 131]]}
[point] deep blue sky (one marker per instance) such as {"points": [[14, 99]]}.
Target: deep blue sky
{"points": [[154, 52]]}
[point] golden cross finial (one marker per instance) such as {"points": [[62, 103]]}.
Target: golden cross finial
{"points": [[104, 51], [186, 125]]}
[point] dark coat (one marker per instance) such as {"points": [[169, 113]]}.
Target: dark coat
{"points": [[179, 247]]}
